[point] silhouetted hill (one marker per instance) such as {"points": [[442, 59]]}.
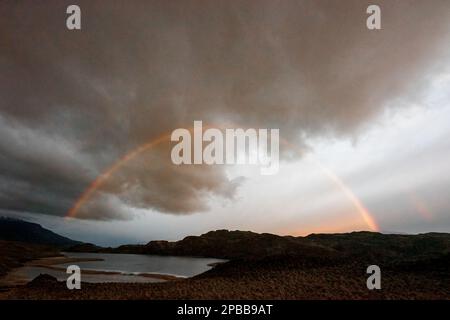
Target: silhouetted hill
{"points": [[84, 247], [386, 247], [245, 244], [237, 244], [23, 231], [220, 244]]}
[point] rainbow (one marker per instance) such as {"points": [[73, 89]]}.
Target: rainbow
{"points": [[105, 175], [350, 195]]}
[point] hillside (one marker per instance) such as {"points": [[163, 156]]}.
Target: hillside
{"points": [[225, 244], [28, 232], [221, 244]]}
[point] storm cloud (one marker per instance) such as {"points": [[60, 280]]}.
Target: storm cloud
{"points": [[74, 102]]}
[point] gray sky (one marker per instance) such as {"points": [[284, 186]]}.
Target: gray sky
{"points": [[369, 106]]}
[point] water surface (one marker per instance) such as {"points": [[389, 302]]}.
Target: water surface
{"points": [[129, 267]]}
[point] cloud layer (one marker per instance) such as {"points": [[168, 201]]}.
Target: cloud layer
{"points": [[73, 102]]}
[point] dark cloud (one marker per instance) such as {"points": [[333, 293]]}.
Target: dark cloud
{"points": [[72, 102]]}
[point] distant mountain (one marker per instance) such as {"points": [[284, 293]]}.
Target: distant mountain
{"points": [[226, 244], [23, 231], [245, 244], [85, 247]]}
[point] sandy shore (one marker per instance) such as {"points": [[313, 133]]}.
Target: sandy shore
{"points": [[15, 277], [52, 262], [104, 272]]}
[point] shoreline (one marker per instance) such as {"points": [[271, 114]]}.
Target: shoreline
{"points": [[14, 278], [159, 276]]}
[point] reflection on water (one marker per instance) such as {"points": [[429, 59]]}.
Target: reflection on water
{"points": [[128, 266]]}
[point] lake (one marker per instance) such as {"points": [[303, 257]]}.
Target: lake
{"points": [[117, 268]]}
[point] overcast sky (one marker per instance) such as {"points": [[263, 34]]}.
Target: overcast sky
{"points": [[372, 107]]}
